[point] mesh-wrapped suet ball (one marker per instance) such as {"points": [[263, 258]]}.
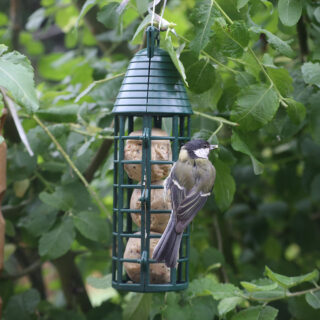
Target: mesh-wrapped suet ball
{"points": [[158, 221], [160, 151], [159, 273]]}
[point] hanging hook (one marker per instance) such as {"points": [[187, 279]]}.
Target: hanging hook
{"points": [[152, 40]]}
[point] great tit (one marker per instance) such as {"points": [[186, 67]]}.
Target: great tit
{"points": [[190, 183]]}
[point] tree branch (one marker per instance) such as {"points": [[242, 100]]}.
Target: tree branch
{"points": [[31, 268], [98, 159], [15, 17], [71, 281], [24, 258], [303, 38], [220, 245]]}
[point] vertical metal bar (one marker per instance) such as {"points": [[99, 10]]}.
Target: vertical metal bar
{"points": [[175, 154], [148, 188], [188, 228], [120, 196], [129, 190], [181, 264], [175, 133], [143, 211], [115, 196]]}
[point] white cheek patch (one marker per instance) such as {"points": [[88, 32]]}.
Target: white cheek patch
{"points": [[202, 153]]}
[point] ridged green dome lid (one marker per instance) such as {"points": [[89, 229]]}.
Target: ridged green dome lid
{"points": [[152, 86]]}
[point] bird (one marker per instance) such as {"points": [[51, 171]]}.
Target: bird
{"points": [[190, 183]]}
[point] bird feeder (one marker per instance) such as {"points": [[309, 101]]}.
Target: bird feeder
{"points": [[152, 106]]}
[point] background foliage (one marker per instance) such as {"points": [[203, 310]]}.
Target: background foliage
{"points": [[253, 71]]}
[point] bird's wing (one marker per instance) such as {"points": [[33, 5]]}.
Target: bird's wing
{"points": [[178, 193], [188, 208]]}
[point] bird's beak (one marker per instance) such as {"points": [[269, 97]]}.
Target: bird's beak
{"points": [[213, 146]]}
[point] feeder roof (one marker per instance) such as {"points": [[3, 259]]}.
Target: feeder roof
{"points": [[152, 86]]}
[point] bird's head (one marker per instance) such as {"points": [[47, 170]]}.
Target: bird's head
{"points": [[199, 148]]}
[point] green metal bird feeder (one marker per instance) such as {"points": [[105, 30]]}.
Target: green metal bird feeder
{"points": [[152, 96]]}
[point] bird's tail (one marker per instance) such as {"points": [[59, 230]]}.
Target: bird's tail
{"points": [[168, 246]]}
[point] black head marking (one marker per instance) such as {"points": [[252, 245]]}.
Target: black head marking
{"points": [[196, 144]]}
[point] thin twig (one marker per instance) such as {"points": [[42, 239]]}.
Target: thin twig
{"points": [[34, 266], [222, 11], [217, 119], [284, 296], [44, 181], [85, 133], [94, 83]]}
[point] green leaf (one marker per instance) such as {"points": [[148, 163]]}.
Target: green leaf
{"points": [[100, 283], [239, 145], [84, 10], [290, 11], [253, 287], [239, 33], [288, 282], [228, 304], [61, 114], [224, 186], [313, 299], [175, 59], [92, 226], [59, 199], [244, 79], [203, 15], [278, 44], [316, 14], [200, 73], [109, 15], [142, 6], [36, 19], [230, 40], [241, 3], [281, 79], [224, 290], [311, 73], [256, 105], [138, 307], [57, 66], [142, 26], [66, 17], [301, 310], [276, 294], [22, 306], [201, 286], [203, 308], [256, 313], [17, 77], [40, 218], [296, 110], [57, 242], [200, 307]]}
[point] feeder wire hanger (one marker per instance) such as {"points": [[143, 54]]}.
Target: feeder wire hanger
{"points": [[153, 12]]}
